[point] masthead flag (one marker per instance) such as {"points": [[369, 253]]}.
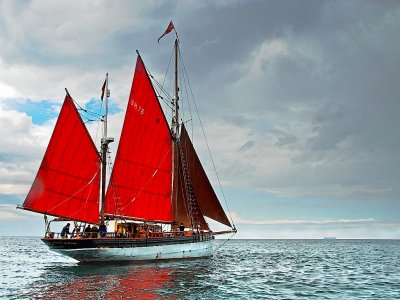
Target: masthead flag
{"points": [[168, 30], [102, 89]]}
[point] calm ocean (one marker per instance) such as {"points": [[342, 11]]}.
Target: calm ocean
{"points": [[241, 269]]}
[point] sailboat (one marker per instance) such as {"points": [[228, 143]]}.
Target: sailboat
{"points": [[158, 193]]}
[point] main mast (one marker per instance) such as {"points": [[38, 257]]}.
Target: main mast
{"points": [[104, 148], [175, 131], [175, 118]]}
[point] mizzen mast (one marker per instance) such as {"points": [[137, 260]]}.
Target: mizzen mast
{"points": [[104, 148]]}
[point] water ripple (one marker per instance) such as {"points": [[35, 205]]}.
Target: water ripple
{"points": [[242, 269]]}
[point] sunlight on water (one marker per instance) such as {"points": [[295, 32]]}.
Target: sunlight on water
{"points": [[253, 269]]}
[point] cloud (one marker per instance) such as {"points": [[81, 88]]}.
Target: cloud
{"points": [[265, 54], [301, 102], [246, 146], [23, 146], [322, 124]]}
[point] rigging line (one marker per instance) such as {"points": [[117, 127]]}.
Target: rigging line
{"points": [[169, 63], [224, 242], [156, 85], [148, 181], [188, 196], [86, 118], [85, 110], [84, 205], [182, 99], [112, 185], [77, 103], [208, 147], [162, 98], [187, 95], [155, 80], [98, 123], [91, 113], [162, 89], [90, 181]]}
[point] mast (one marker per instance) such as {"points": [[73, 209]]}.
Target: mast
{"points": [[104, 148], [175, 118], [174, 131]]}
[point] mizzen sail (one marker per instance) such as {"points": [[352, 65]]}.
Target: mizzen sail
{"points": [[67, 183], [187, 210], [141, 180], [204, 192]]}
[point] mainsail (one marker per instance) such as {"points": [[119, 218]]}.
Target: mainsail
{"points": [[67, 183], [141, 180]]}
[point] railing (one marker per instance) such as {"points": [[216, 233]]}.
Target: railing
{"points": [[202, 236]]}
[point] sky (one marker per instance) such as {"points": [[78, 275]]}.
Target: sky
{"points": [[299, 101]]}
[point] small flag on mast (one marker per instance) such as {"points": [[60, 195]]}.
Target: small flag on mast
{"points": [[102, 89], [168, 30]]}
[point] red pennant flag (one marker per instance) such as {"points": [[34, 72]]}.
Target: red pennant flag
{"points": [[168, 30], [102, 90]]}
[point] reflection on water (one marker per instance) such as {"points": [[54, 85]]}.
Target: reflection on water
{"points": [[102, 282]]}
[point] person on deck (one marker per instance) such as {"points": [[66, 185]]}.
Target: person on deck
{"points": [[88, 230], [95, 231], [181, 229], [103, 230], [65, 231], [75, 232]]}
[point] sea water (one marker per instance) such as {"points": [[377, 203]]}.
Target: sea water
{"points": [[240, 269]]}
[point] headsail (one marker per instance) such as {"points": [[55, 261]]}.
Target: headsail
{"points": [[141, 180], [205, 195], [67, 183]]}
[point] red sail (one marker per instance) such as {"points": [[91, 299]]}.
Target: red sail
{"points": [[67, 183], [205, 195], [141, 180]]}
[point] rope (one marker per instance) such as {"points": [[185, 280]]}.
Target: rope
{"points": [[224, 242], [160, 86], [98, 124], [91, 180], [85, 110], [187, 97], [208, 147], [169, 63], [86, 201], [99, 117], [161, 90]]}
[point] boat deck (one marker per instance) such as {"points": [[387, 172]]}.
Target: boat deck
{"points": [[113, 242]]}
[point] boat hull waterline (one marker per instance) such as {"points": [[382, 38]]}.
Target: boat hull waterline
{"points": [[128, 249]]}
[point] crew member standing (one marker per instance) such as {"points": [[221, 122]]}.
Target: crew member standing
{"points": [[65, 231]]}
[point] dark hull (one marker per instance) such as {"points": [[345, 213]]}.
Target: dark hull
{"points": [[128, 249]]}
